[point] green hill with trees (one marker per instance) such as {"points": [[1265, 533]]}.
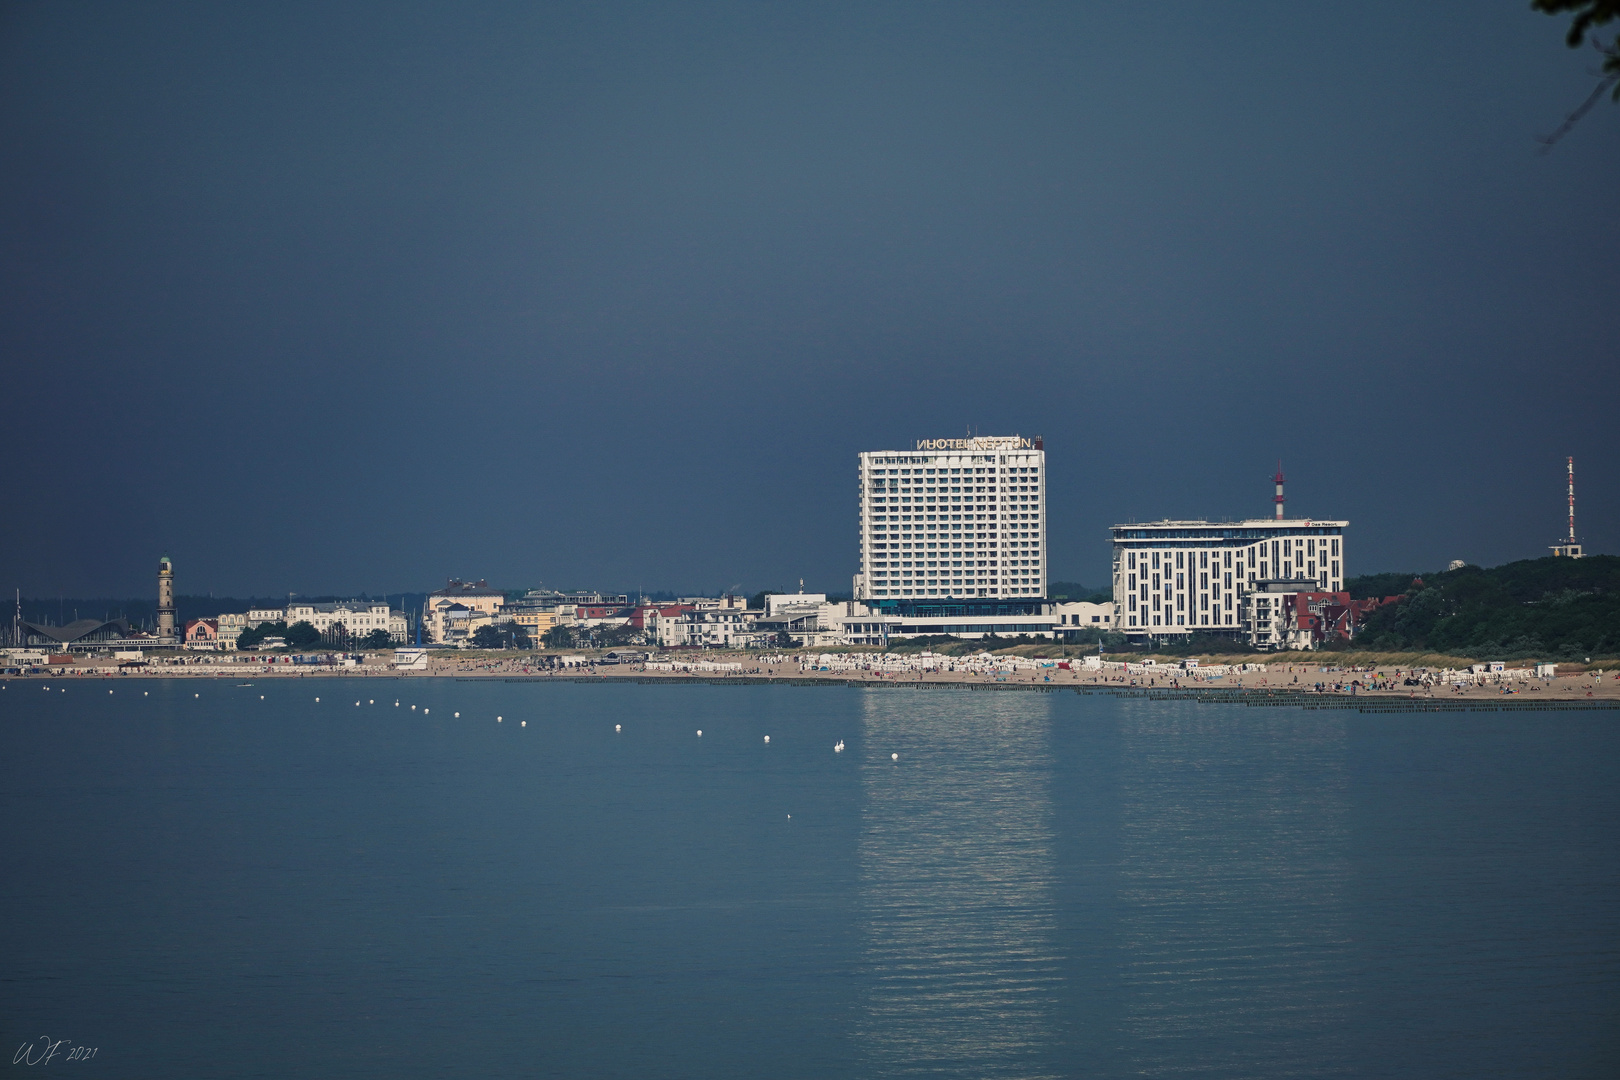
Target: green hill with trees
{"points": [[1551, 608], [1380, 585]]}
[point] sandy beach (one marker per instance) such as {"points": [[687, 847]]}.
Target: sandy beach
{"points": [[1289, 674]]}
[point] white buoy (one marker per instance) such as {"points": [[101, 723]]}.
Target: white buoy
{"points": [[616, 727], [261, 697], [894, 757], [199, 695], [357, 704], [396, 704], [497, 719], [767, 738], [317, 699], [413, 708], [523, 723], [426, 711], [145, 693], [371, 701], [790, 817], [700, 733], [458, 716], [109, 691]]}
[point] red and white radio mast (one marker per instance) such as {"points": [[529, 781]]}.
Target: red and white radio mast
{"points": [[1569, 547], [1571, 500], [1278, 480]]}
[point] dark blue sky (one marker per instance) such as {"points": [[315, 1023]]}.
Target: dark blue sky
{"points": [[343, 297]]}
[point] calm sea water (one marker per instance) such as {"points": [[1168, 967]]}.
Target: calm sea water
{"points": [[1041, 885]]}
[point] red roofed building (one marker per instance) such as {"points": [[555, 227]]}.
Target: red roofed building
{"points": [[202, 634], [645, 617], [1305, 620]]}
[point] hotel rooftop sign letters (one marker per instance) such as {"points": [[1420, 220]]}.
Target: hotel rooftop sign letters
{"points": [[986, 442]]}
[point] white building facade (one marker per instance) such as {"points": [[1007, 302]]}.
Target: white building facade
{"points": [[1083, 615], [357, 617], [953, 518], [1182, 577], [717, 628]]}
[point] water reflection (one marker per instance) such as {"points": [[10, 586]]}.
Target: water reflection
{"points": [[956, 884], [1233, 914]]}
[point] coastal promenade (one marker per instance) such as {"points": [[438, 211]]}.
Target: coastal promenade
{"points": [[1294, 677]]}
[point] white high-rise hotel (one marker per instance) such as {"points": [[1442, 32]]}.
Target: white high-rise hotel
{"points": [[953, 518]]}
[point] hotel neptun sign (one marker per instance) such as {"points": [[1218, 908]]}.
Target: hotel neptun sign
{"points": [[987, 442]]}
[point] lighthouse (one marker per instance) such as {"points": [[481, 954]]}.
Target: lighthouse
{"points": [[166, 637]]}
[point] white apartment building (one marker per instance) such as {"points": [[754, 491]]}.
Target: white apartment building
{"points": [[662, 625], [954, 518], [1184, 577], [717, 628], [358, 617]]}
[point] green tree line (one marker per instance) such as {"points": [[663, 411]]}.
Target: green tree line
{"points": [[1550, 608], [300, 635]]}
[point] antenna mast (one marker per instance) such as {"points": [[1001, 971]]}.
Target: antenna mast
{"points": [[1569, 547], [1571, 500], [1278, 480]]}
